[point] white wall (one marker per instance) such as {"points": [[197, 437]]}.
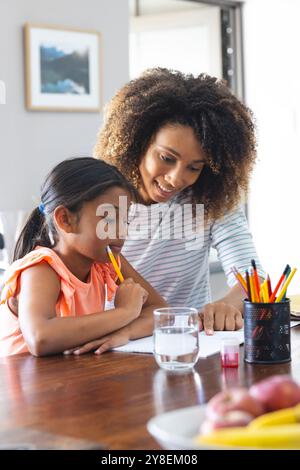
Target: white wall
{"points": [[150, 7], [32, 142], [152, 39], [272, 66]]}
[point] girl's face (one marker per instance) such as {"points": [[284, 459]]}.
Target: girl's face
{"points": [[101, 222], [173, 162]]}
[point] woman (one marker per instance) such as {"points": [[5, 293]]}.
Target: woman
{"points": [[182, 139]]}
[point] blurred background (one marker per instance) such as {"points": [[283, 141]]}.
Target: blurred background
{"points": [[252, 44]]}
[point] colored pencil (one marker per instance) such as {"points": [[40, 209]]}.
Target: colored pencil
{"points": [[256, 280], [285, 285], [248, 286], [240, 280], [273, 296], [269, 286], [254, 295], [285, 279], [266, 291]]}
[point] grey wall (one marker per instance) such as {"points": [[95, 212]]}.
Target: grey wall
{"points": [[32, 142]]}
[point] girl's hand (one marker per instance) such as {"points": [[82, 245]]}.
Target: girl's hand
{"points": [[220, 316], [131, 297], [101, 345]]}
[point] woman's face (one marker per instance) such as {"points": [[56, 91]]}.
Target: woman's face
{"points": [[173, 162]]}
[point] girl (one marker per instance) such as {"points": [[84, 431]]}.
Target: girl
{"points": [[54, 295], [182, 139]]}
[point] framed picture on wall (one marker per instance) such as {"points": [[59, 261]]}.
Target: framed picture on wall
{"points": [[63, 69]]}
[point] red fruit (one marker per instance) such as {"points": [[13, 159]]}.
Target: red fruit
{"points": [[276, 392], [235, 399], [230, 419]]}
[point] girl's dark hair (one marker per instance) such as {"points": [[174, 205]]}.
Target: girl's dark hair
{"points": [[222, 124], [71, 183]]}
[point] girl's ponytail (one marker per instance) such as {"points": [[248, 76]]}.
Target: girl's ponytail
{"points": [[34, 233]]}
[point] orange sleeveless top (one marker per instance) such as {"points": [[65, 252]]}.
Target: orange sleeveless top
{"points": [[76, 297]]}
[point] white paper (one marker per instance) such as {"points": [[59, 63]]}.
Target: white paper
{"points": [[208, 345], [182, 344]]}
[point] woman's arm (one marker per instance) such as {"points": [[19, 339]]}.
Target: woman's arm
{"points": [[226, 313], [236, 296], [45, 333], [233, 241]]}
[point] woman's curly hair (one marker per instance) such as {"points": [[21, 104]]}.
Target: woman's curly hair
{"points": [[222, 124]]}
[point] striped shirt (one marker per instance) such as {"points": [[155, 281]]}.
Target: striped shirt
{"points": [[178, 268]]}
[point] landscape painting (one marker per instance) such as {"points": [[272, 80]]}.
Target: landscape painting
{"points": [[62, 69]]}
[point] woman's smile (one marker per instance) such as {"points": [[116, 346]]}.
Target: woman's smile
{"points": [[164, 191]]}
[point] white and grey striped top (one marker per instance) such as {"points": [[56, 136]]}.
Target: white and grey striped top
{"points": [[181, 274]]}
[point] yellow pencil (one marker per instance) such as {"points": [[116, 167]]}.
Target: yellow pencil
{"points": [[263, 293], [252, 288], [240, 279], [266, 292], [285, 286], [115, 264]]}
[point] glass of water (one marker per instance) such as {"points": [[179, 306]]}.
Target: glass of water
{"points": [[176, 338]]}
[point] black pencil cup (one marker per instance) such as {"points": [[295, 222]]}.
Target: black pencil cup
{"points": [[267, 332]]}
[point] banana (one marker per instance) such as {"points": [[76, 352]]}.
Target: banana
{"points": [[284, 416], [273, 437]]}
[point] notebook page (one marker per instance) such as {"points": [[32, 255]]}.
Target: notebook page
{"points": [[208, 345]]}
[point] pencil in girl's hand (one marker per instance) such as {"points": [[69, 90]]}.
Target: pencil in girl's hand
{"points": [[115, 264], [272, 298]]}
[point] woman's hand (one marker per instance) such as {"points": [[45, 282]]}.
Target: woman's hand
{"points": [[220, 316], [99, 346]]}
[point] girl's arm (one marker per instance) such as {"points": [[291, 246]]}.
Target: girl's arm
{"points": [[143, 325], [45, 333], [138, 328]]}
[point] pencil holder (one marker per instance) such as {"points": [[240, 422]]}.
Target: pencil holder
{"points": [[267, 332]]}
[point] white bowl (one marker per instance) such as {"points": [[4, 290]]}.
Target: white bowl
{"points": [[176, 430]]}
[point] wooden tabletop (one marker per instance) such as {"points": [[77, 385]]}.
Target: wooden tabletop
{"points": [[108, 399]]}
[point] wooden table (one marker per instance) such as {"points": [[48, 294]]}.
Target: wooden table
{"points": [[109, 399]]}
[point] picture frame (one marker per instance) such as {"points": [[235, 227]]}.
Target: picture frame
{"points": [[63, 69]]}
